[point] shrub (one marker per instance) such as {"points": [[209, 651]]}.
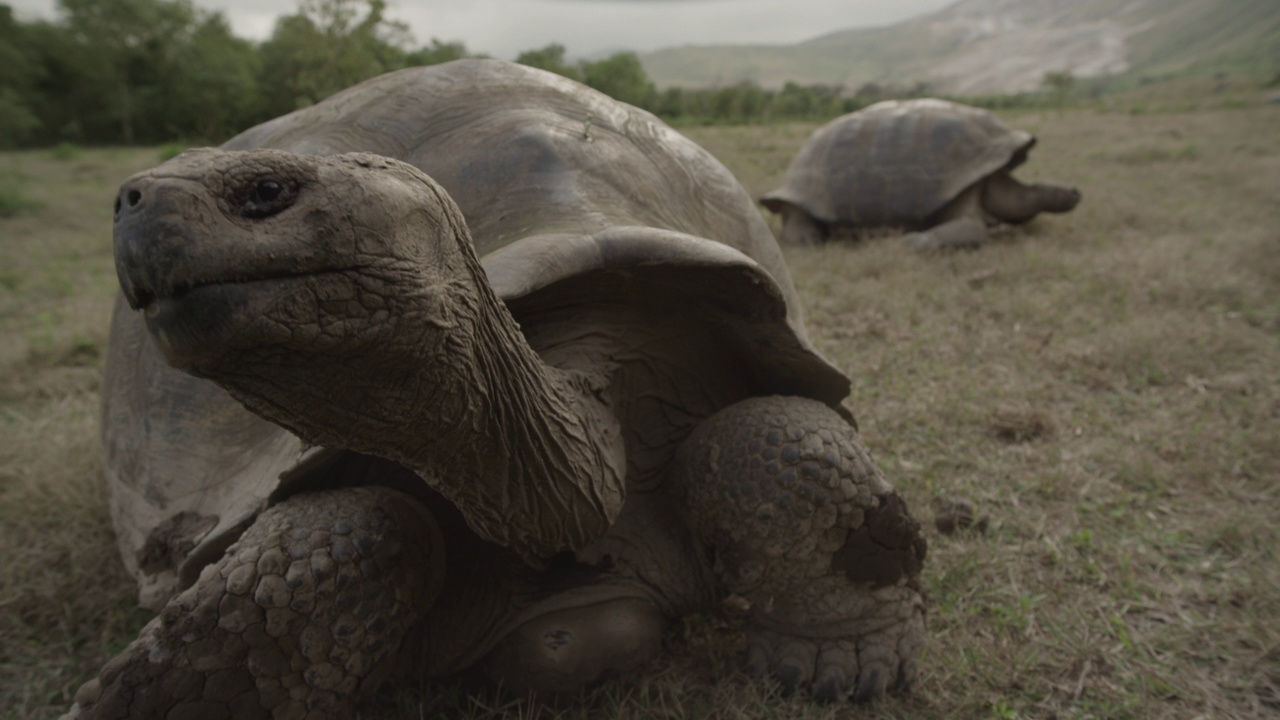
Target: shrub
{"points": [[13, 198], [65, 151], [171, 150]]}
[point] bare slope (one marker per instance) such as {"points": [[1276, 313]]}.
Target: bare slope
{"points": [[1002, 46]]}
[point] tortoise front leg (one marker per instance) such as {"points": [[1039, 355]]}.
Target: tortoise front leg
{"points": [[300, 616], [799, 228], [1011, 201], [962, 226], [962, 233], [804, 526]]}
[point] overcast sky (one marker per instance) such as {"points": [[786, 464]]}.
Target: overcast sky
{"points": [[503, 28]]}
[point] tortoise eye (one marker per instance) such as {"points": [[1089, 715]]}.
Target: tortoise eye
{"points": [[267, 197], [266, 191]]}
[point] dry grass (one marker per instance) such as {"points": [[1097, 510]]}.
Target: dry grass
{"points": [[65, 600], [1104, 386]]}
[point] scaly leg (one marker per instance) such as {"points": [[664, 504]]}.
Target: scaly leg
{"points": [[804, 526], [798, 228], [303, 613], [1009, 200], [962, 233]]}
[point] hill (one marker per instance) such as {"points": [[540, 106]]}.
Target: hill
{"points": [[977, 47]]}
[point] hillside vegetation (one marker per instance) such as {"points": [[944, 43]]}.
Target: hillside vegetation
{"points": [[1103, 385], [152, 71], [980, 47]]}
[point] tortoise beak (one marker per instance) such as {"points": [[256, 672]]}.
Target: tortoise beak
{"points": [[152, 251], [132, 202]]}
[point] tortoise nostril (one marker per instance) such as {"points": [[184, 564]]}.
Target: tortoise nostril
{"points": [[134, 198], [117, 208]]}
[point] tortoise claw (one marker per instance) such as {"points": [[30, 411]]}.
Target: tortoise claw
{"points": [[862, 667], [830, 685], [790, 676], [757, 662], [869, 686]]}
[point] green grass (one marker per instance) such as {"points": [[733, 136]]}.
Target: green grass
{"points": [[65, 151], [13, 195], [170, 151], [1104, 386]]}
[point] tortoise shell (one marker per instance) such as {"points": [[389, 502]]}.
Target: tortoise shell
{"points": [[896, 163], [572, 199]]}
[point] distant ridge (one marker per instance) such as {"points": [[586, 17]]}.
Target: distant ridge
{"points": [[978, 47]]}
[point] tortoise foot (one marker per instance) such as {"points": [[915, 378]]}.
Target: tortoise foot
{"points": [[300, 616], [804, 526], [799, 228], [872, 651], [564, 650], [962, 233]]}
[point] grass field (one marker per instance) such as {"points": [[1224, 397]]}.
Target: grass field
{"points": [[1104, 386]]}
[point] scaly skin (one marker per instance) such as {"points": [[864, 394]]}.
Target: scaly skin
{"points": [[962, 233], [1011, 201], [302, 613], [376, 331], [804, 526], [799, 228], [383, 303]]}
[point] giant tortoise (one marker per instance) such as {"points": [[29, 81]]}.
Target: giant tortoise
{"points": [[472, 367], [935, 167]]}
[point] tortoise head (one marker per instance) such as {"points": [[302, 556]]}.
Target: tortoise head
{"points": [[236, 256], [341, 298]]}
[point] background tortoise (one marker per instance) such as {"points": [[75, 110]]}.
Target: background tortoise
{"points": [[520, 437], [936, 167]]}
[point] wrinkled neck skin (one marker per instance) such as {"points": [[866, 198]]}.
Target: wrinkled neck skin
{"points": [[442, 381]]}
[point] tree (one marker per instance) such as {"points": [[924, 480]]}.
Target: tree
{"points": [[621, 77], [437, 52], [123, 46], [550, 58], [18, 72], [795, 101], [212, 90], [671, 104], [1059, 83], [327, 46], [743, 102], [144, 71]]}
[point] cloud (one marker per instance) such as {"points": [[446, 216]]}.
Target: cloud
{"points": [[503, 28], [589, 27]]}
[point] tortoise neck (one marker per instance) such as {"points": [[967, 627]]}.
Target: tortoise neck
{"points": [[528, 452]]}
